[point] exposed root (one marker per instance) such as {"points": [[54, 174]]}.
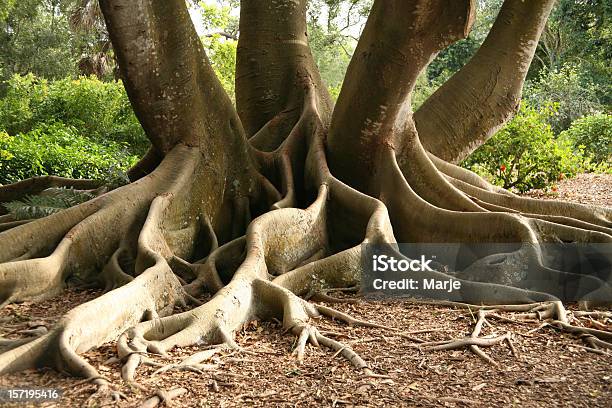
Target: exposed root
{"points": [[324, 297], [346, 352], [348, 319], [296, 316], [36, 185], [162, 397], [104, 394], [156, 291], [498, 199], [473, 342], [176, 234], [553, 314], [192, 363], [5, 226], [84, 237]]}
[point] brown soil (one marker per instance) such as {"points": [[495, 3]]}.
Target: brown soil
{"points": [[551, 369]]}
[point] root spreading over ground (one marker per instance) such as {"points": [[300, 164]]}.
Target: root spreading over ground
{"points": [[232, 230]]}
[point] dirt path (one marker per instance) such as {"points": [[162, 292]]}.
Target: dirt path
{"points": [[551, 369]]}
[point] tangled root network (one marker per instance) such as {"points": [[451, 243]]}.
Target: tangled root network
{"points": [[261, 227]]}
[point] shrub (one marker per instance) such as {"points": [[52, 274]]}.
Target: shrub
{"points": [[59, 149], [22, 93], [525, 155], [98, 110], [593, 136]]}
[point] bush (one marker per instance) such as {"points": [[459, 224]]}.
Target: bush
{"points": [[593, 136], [569, 88], [22, 93], [59, 149], [98, 110], [525, 155]]}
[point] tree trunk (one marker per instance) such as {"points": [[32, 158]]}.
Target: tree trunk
{"points": [[275, 66], [483, 95], [261, 223]]}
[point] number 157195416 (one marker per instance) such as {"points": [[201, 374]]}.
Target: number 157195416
{"points": [[29, 394]]}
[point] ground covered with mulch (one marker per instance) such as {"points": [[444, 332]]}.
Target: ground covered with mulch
{"points": [[546, 367], [587, 188]]}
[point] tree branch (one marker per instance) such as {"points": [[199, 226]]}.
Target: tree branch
{"points": [[225, 34], [475, 102], [399, 40]]}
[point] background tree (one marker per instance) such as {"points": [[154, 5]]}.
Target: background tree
{"points": [[264, 203]]}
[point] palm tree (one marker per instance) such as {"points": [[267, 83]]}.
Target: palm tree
{"points": [[97, 52]]}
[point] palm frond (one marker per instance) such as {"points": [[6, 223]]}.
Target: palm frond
{"points": [[86, 16], [52, 200]]}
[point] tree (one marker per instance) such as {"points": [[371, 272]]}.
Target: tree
{"points": [[578, 33], [37, 37], [270, 201]]}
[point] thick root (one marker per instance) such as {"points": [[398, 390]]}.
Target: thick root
{"points": [[84, 237], [166, 234], [36, 185], [155, 290], [497, 198]]}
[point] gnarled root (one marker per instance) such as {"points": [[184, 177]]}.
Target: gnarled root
{"points": [[40, 256], [163, 397], [497, 199], [473, 341], [167, 234], [156, 290], [553, 314]]}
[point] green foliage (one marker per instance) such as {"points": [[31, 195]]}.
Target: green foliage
{"points": [[333, 29], [5, 8], [5, 139], [35, 37], [53, 200], [218, 16], [220, 23], [332, 54], [100, 111], [81, 128], [570, 89], [423, 89], [22, 93], [222, 54], [59, 149], [580, 33], [525, 155], [453, 58], [593, 136]]}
